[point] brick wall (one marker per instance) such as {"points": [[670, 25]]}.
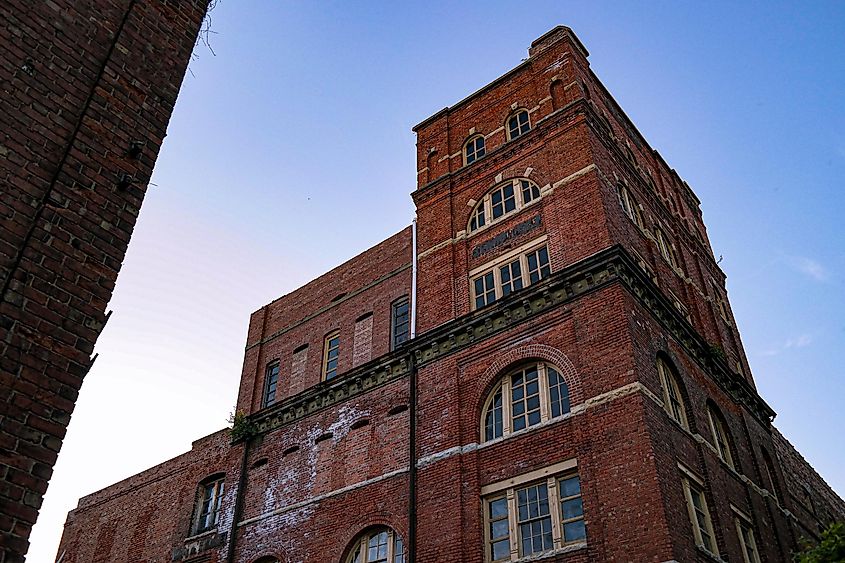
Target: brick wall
{"points": [[79, 91], [331, 460]]}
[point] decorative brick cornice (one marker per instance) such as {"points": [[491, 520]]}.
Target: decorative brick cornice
{"points": [[612, 265], [381, 371]]}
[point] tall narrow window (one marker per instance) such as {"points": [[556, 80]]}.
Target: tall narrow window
{"points": [[473, 149], [702, 527], [769, 468], [525, 397], [271, 381], [746, 539], [518, 124], [209, 499], [672, 399], [400, 322], [331, 352], [629, 205], [667, 249], [721, 437]]}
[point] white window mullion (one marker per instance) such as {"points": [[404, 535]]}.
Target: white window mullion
{"points": [[545, 400], [512, 525], [554, 509], [506, 406]]}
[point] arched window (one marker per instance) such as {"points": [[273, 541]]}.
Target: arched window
{"points": [[525, 397], [721, 436], [378, 545], [673, 401], [473, 149], [209, 499], [505, 198], [518, 124]]}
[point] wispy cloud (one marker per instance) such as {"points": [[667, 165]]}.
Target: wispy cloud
{"points": [[800, 341], [809, 267]]}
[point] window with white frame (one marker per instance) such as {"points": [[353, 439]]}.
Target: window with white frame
{"points": [[518, 124], [533, 515], [699, 514], [473, 149], [381, 545], [667, 249], [719, 300], [523, 398], [629, 205], [682, 309], [721, 437], [331, 355], [508, 275], [673, 402], [745, 532], [505, 198], [209, 500]]}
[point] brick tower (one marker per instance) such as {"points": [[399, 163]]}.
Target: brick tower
{"points": [[544, 367], [87, 92]]}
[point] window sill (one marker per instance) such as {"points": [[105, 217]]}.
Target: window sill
{"points": [[709, 555], [201, 535], [549, 554]]}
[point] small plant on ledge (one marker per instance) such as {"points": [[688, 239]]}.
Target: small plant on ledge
{"points": [[242, 428]]}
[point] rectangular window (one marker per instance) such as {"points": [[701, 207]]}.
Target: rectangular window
{"points": [[534, 516], [211, 497], [331, 351], [746, 540], [400, 322], [702, 527], [271, 381], [503, 279], [503, 200]]}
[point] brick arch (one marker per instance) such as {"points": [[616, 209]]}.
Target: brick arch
{"points": [[530, 352], [373, 520]]}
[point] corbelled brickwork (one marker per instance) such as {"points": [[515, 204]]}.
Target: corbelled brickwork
{"points": [[86, 93], [661, 449]]}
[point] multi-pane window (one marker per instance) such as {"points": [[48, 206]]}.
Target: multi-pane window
{"points": [[518, 124], [381, 545], [629, 205], [672, 399], [667, 250], [746, 540], [400, 322], [719, 431], [533, 518], [504, 199], [702, 527], [719, 300], [515, 273], [331, 352], [271, 381], [473, 149], [209, 499], [524, 398]]}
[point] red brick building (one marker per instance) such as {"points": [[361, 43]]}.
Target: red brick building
{"points": [[543, 367], [86, 93]]}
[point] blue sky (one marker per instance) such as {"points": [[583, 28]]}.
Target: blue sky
{"points": [[300, 127]]}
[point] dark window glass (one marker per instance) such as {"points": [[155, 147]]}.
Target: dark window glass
{"points": [[401, 322], [271, 381]]}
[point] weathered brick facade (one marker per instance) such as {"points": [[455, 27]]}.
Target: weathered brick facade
{"points": [[677, 463], [86, 92]]}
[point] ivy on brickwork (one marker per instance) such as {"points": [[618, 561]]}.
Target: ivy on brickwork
{"points": [[830, 549]]}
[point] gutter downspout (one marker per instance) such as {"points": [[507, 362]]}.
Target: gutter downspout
{"points": [[412, 410], [412, 472], [236, 515]]}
